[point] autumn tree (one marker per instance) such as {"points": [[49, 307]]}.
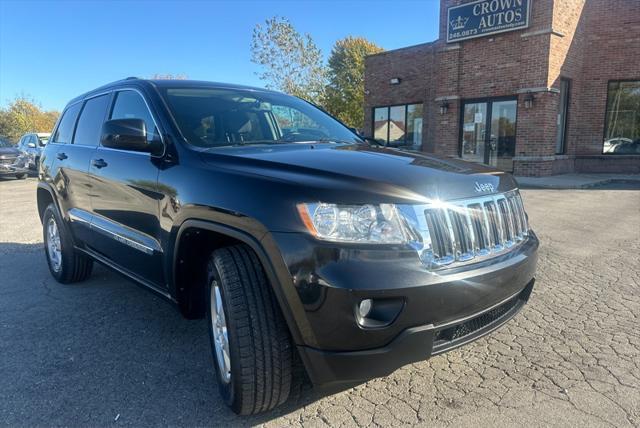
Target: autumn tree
{"points": [[344, 96], [291, 62], [23, 115]]}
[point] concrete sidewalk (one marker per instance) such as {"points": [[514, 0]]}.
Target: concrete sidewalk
{"points": [[575, 181]]}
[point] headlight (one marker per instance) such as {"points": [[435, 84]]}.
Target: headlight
{"points": [[373, 224]]}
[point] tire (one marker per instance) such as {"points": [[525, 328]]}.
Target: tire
{"points": [[260, 350], [66, 265], [22, 176]]}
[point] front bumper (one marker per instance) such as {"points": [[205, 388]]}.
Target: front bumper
{"points": [[13, 170], [439, 311], [412, 345]]}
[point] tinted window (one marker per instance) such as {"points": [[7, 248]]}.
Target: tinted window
{"points": [[90, 122], [130, 105], [65, 128]]}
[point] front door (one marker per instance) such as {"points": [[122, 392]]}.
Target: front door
{"points": [[488, 133], [125, 200]]}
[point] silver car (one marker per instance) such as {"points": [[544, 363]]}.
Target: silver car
{"points": [[31, 146]]}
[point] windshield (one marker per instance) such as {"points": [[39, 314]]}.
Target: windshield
{"points": [[217, 117]]}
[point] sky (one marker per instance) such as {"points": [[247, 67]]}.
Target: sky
{"points": [[53, 51]]}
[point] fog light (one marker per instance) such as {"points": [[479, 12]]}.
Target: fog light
{"points": [[364, 308], [377, 313]]}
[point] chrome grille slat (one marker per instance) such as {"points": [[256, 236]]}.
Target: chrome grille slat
{"points": [[478, 228]]}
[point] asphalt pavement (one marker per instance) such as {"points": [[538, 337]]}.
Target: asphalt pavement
{"points": [[107, 353]]}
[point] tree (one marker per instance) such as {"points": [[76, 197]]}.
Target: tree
{"points": [[291, 62], [345, 91], [24, 115]]}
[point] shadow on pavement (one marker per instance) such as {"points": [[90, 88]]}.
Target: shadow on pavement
{"points": [[82, 354]]}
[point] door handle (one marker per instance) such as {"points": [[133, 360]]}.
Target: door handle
{"points": [[62, 156], [99, 163]]}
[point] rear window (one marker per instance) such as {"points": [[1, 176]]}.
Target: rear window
{"points": [[65, 128], [90, 122]]}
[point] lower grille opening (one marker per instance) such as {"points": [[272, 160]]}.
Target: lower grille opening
{"points": [[446, 338]]}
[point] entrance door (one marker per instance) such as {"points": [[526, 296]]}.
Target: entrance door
{"points": [[488, 133]]}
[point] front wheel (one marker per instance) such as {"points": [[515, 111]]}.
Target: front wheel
{"points": [[21, 176], [252, 348]]}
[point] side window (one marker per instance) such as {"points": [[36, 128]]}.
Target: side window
{"points": [[294, 121], [130, 105], [65, 128], [90, 121]]}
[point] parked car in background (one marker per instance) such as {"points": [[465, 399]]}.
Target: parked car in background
{"points": [[12, 162], [31, 146], [304, 247]]}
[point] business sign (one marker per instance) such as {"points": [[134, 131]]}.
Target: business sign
{"points": [[484, 17]]}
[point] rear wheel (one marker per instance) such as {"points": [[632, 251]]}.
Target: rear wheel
{"points": [[66, 264], [21, 176], [252, 348]]}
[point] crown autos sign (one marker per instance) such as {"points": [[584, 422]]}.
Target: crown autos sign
{"points": [[485, 17]]}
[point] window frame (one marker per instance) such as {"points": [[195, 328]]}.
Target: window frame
{"points": [[73, 126], [108, 94], [388, 107], [606, 111], [112, 104]]}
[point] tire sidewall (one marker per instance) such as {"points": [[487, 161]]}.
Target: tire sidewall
{"points": [[227, 389], [65, 242]]}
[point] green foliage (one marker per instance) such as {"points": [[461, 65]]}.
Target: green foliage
{"points": [[24, 115], [345, 92], [291, 62]]}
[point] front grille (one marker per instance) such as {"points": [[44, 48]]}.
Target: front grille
{"points": [[8, 160], [464, 230], [444, 338]]}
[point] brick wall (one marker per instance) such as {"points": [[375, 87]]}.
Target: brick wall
{"points": [[587, 41]]}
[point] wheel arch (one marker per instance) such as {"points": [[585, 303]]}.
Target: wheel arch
{"points": [[44, 196], [182, 274]]}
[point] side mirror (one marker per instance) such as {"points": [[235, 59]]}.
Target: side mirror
{"points": [[125, 134], [129, 134], [31, 145]]}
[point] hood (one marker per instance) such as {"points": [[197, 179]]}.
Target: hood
{"points": [[9, 152], [393, 172]]}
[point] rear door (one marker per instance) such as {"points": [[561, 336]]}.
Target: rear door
{"points": [[76, 158], [77, 141], [125, 198]]}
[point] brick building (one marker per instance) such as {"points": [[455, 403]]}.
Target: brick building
{"points": [[557, 91]]}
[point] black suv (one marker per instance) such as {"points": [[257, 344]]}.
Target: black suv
{"points": [[310, 251]]}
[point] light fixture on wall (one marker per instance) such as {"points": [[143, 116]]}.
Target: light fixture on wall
{"points": [[444, 106], [394, 81], [528, 100]]}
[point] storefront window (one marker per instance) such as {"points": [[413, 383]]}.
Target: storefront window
{"points": [[398, 125], [622, 124], [414, 125], [381, 124], [563, 105]]}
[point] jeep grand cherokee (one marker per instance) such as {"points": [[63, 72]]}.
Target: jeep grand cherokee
{"points": [[309, 251]]}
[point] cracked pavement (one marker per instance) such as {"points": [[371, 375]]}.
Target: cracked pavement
{"points": [[106, 352]]}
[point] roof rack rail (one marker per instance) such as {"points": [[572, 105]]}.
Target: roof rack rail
{"points": [[132, 78]]}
